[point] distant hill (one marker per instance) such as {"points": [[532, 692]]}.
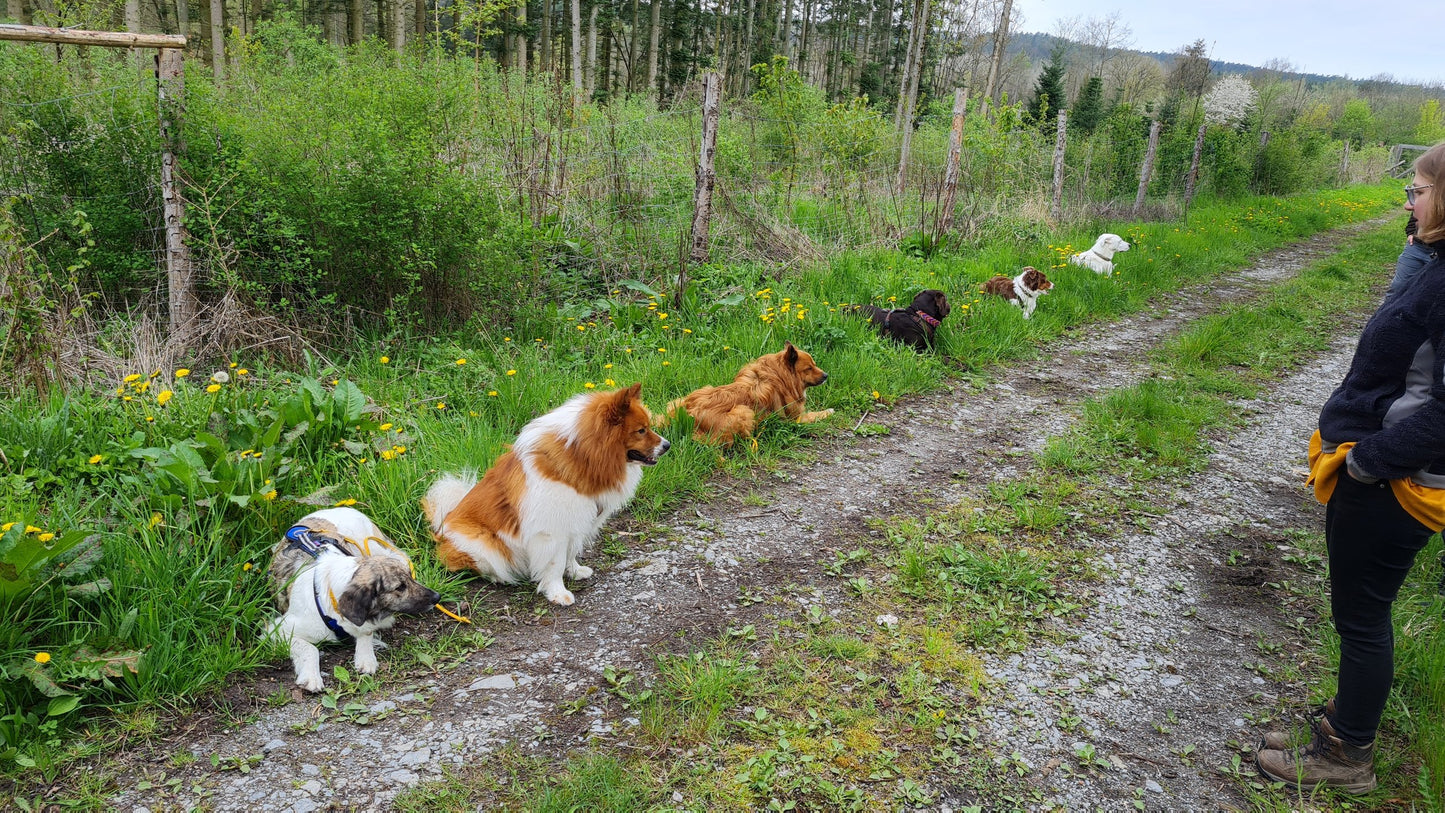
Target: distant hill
{"points": [[1038, 46]]}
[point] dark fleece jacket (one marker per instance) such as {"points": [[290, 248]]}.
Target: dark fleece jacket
{"points": [[1392, 401]]}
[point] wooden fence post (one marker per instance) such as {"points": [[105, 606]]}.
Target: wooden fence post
{"points": [[1192, 179], [706, 177], [1146, 170], [955, 158], [1059, 144], [171, 86]]}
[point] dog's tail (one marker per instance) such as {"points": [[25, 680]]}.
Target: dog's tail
{"points": [[444, 496]]}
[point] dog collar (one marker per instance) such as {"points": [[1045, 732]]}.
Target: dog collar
{"points": [[331, 623], [929, 319]]}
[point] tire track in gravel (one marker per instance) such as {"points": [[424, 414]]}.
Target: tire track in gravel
{"points": [[687, 588]]}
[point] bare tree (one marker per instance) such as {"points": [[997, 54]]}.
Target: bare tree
{"points": [[576, 55], [652, 39], [1138, 79], [1000, 41]]}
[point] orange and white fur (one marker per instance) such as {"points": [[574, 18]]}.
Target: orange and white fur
{"points": [[776, 382], [542, 502]]}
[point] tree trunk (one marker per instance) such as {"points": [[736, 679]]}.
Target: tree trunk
{"points": [[786, 34], [744, 74], [576, 55], [802, 62], [397, 18], [14, 9], [1146, 170], [590, 66], [908, 88], [653, 37], [355, 21], [546, 34], [218, 39], [522, 43], [419, 30], [1000, 41], [632, 46], [183, 16], [1059, 145]]}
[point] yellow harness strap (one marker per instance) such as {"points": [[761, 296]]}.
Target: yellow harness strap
{"points": [[365, 547]]}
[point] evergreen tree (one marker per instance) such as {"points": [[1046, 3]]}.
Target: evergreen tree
{"points": [[1088, 109], [1049, 92]]}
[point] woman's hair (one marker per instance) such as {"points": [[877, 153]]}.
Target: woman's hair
{"points": [[1431, 168]]}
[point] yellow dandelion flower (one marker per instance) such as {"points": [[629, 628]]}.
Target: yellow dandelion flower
{"points": [[46, 537], [607, 366], [609, 382], [246, 568], [96, 458], [589, 385], [511, 372], [441, 405], [876, 396], [150, 419], [492, 393], [387, 454], [233, 365], [347, 501], [627, 349], [472, 412], [667, 364], [686, 330], [725, 347], [400, 449], [31, 529], [270, 495], [133, 377], [182, 373], [581, 327], [460, 362], [127, 398], [156, 519], [662, 316], [164, 397], [662, 349], [506, 338], [142, 386], [214, 388], [42, 657], [385, 427], [386, 359], [5, 529]]}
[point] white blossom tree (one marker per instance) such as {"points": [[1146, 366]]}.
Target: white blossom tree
{"points": [[1229, 101]]}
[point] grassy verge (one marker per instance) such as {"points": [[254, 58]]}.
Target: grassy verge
{"points": [[183, 481], [850, 707]]}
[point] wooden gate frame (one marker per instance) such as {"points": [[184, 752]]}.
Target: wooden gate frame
{"points": [[170, 76]]}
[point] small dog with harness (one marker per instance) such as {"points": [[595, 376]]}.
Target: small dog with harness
{"points": [[913, 325], [336, 577]]}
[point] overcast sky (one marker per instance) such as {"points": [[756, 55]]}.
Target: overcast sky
{"points": [[1358, 38]]}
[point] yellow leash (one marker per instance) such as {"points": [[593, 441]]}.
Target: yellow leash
{"points": [[365, 547]]}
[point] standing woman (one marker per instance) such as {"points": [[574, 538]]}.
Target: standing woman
{"points": [[1378, 463]]}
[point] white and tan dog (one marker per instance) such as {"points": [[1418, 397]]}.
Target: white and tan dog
{"points": [[1100, 258], [337, 577], [1023, 290]]}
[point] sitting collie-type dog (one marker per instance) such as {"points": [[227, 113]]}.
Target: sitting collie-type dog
{"points": [[773, 383], [1100, 258], [1023, 290], [913, 325], [533, 513], [337, 577]]}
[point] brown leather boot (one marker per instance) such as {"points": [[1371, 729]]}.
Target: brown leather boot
{"points": [[1327, 761], [1280, 740]]}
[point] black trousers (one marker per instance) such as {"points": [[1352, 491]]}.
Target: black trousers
{"points": [[1372, 544]]}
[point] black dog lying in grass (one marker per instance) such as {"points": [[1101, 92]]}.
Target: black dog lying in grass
{"points": [[913, 325]]}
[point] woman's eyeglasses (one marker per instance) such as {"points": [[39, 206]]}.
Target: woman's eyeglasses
{"points": [[1412, 192]]}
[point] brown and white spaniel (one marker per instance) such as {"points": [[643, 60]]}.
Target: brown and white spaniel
{"points": [[1023, 290]]}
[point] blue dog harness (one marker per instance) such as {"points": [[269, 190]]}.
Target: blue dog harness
{"points": [[312, 543]]}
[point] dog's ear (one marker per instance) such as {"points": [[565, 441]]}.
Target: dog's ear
{"points": [[358, 601], [622, 403], [790, 354], [943, 306]]}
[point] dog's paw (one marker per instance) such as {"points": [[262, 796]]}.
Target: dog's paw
{"points": [[561, 596], [366, 665], [311, 683], [579, 572]]}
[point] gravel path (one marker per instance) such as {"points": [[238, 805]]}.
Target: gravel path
{"points": [[1165, 634]]}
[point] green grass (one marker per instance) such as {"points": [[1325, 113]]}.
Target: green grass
{"points": [[186, 541]]}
